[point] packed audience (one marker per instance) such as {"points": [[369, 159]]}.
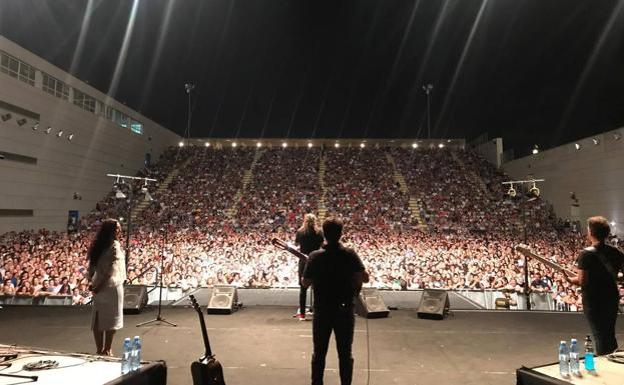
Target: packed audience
{"points": [[208, 227]]}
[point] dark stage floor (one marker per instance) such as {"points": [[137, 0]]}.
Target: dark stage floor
{"points": [[264, 345]]}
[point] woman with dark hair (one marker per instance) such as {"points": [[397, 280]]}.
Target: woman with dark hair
{"points": [[107, 273]]}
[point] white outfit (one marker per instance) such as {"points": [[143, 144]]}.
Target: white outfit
{"points": [[109, 275]]}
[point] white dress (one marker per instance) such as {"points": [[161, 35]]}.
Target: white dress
{"points": [[107, 311]]}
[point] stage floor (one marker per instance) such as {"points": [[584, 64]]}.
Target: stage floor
{"points": [[265, 346]]}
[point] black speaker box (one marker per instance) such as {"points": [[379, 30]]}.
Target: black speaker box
{"points": [[222, 300], [135, 298], [369, 304], [434, 304]]}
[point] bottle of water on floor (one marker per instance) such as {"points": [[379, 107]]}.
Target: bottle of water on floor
{"points": [[564, 357], [574, 358], [589, 354], [126, 356], [136, 354]]}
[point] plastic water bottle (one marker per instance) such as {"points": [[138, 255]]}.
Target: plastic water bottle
{"points": [[135, 361], [564, 357], [126, 356], [589, 354], [574, 358]]}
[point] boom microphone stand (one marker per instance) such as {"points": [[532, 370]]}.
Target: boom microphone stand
{"points": [[159, 317]]}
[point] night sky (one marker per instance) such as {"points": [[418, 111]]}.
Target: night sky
{"points": [[531, 71]]}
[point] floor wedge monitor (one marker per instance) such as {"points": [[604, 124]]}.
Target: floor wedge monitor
{"points": [[369, 304], [223, 300], [135, 298], [434, 304]]}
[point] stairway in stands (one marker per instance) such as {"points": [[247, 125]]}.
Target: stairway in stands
{"points": [[247, 177], [414, 204], [477, 180], [163, 186], [322, 208]]}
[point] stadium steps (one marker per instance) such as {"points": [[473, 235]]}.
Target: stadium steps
{"points": [[413, 204], [163, 186], [247, 177], [322, 208], [472, 175]]}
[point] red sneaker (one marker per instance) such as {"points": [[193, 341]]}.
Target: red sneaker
{"points": [[301, 317]]}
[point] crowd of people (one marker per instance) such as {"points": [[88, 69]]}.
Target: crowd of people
{"points": [[210, 227]]}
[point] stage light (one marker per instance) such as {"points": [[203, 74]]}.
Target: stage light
{"points": [[259, 144], [284, 144], [5, 117], [48, 130], [577, 146], [336, 145], [21, 122], [535, 149], [207, 144], [70, 137], [414, 145], [617, 136], [596, 141], [441, 145], [234, 144], [120, 195], [309, 145], [534, 191], [35, 126], [612, 223], [362, 145], [512, 191], [59, 134], [181, 144]]}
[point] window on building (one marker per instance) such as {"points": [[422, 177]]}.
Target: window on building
{"points": [[55, 87], [136, 127], [121, 119], [16, 68], [84, 101], [108, 112]]}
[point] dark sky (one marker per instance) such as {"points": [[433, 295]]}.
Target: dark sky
{"points": [[531, 71]]}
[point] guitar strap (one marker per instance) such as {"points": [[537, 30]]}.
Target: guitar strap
{"points": [[604, 261]]}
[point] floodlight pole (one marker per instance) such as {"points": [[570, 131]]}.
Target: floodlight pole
{"points": [[428, 88], [188, 87], [130, 196], [527, 294]]}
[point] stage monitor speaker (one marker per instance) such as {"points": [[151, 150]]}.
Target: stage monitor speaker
{"points": [[434, 304], [223, 300], [369, 304], [57, 300], [135, 298]]}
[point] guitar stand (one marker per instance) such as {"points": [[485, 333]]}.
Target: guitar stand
{"points": [[32, 378], [157, 319]]}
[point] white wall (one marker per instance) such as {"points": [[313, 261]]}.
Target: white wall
{"points": [[99, 146], [595, 173], [492, 151]]}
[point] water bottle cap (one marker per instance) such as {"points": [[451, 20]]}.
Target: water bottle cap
{"points": [[563, 342], [137, 337], [573, 340], [127, 339]]}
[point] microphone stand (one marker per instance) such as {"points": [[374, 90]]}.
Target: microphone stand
{"points": [[159, 318]]}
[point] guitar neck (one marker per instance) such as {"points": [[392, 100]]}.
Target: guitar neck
{"points": [[297, 253]]}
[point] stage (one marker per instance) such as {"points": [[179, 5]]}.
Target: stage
{"points": [[264, 345]]}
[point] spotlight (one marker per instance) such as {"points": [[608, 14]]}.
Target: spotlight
{"points": [[617, 136], [612, 223], [336, 145], [234, 144], [512, 191], [77, 196], [414, 145], [5, 117], [309, 145], [362, 145], [70, 137], [59, 134], [181, 144], [148, 196], [596, 141], [577, 146], [284, 144], [259, 144], [207, 144], [48, 130], [120, 195], [534, 191], [35, 126], [535, 149], [441, 145], [21, 122]]}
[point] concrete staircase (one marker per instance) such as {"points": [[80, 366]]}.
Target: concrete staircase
{"points": [[413, 204], [247, 177], [322, 208], [476, 179], [164, 185]]}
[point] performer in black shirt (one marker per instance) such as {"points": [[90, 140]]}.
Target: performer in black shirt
{"points": [[336, 274], [309, 238], [597, 270]]}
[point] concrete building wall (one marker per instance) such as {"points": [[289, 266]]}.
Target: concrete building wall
{"points": [[42, 171]]}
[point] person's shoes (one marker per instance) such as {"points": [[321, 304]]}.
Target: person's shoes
{"points": [[309, 311], [301, 317]]}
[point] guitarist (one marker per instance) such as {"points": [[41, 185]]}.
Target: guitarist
{"points": [[597, 270], [309, 238], [336, 274]]}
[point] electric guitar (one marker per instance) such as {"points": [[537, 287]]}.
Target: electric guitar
{"points": [[285, 246], [524, 250], [206, 370]]}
